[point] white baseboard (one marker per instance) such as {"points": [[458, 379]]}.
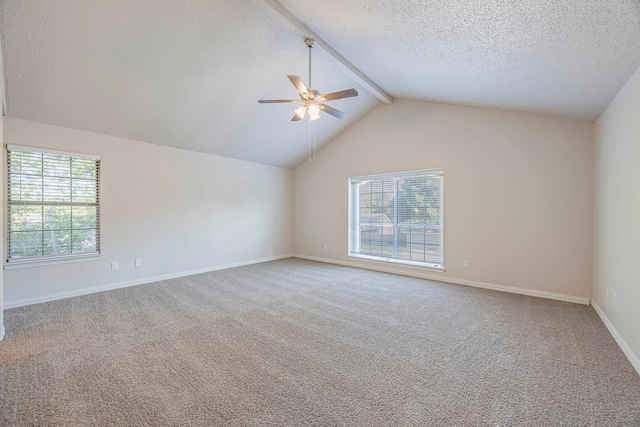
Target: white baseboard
{"points": [[633, 358], [483, 285], [141, 281]]}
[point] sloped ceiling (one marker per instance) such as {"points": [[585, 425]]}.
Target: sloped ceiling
{"points": [[188, 73], [564, 58]]}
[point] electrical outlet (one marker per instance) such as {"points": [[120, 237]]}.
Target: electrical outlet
{"points": [[114, 265], [247, 249], [138, 262], [325, 247], [465, 263]]}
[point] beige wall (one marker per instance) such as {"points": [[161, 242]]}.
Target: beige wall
{"points": [[518, 191], [617, 212], [180, 211]]}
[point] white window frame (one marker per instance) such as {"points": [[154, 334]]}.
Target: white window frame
{"points": [[36, 261], [354, 221]]}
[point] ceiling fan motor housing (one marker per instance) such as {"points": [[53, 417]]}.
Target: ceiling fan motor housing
{"points": [[310, 95]]}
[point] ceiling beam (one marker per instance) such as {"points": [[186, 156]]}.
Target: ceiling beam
{"points": [[357, 75]]}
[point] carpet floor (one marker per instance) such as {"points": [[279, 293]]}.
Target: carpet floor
{"points": [[294, 343]]}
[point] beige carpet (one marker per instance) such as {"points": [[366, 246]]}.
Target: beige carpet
{"points": [[298, 343]]}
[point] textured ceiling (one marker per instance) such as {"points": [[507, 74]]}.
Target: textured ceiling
{"points": [[188, 73], [557, 57]]}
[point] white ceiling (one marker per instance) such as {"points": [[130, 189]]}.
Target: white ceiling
{"points": [[188, 73], [556, 57]]}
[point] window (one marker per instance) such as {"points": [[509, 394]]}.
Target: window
{"points": [[397, 217], [53, 204]]}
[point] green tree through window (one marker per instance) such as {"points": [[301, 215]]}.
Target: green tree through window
{"points": [[53, 204], [397, 217]]}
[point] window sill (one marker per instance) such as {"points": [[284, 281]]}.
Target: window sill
{"points": [[403, 263], [41, 262]]}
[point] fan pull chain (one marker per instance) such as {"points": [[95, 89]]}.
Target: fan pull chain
{"points": [[314, 141], [309, 140]]}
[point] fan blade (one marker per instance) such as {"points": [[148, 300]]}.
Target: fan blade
{"points": [[347, 93], [297, 82], [277, 101], [330, 110], [296, 118]]}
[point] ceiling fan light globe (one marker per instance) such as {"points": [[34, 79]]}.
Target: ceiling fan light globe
{"points": [[314, 109], [300, 111], [314, 112]]}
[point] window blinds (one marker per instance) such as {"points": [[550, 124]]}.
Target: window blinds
{"points": [[53, 203], [398, 217]]}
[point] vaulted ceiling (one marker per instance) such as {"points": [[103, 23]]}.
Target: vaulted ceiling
{"points": [[188, 73]]}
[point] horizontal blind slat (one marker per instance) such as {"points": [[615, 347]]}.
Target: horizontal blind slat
{"points": [[397, 216], [53, 203]]}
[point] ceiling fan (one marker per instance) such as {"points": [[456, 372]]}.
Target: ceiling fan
{"points": [[312, 99]]}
